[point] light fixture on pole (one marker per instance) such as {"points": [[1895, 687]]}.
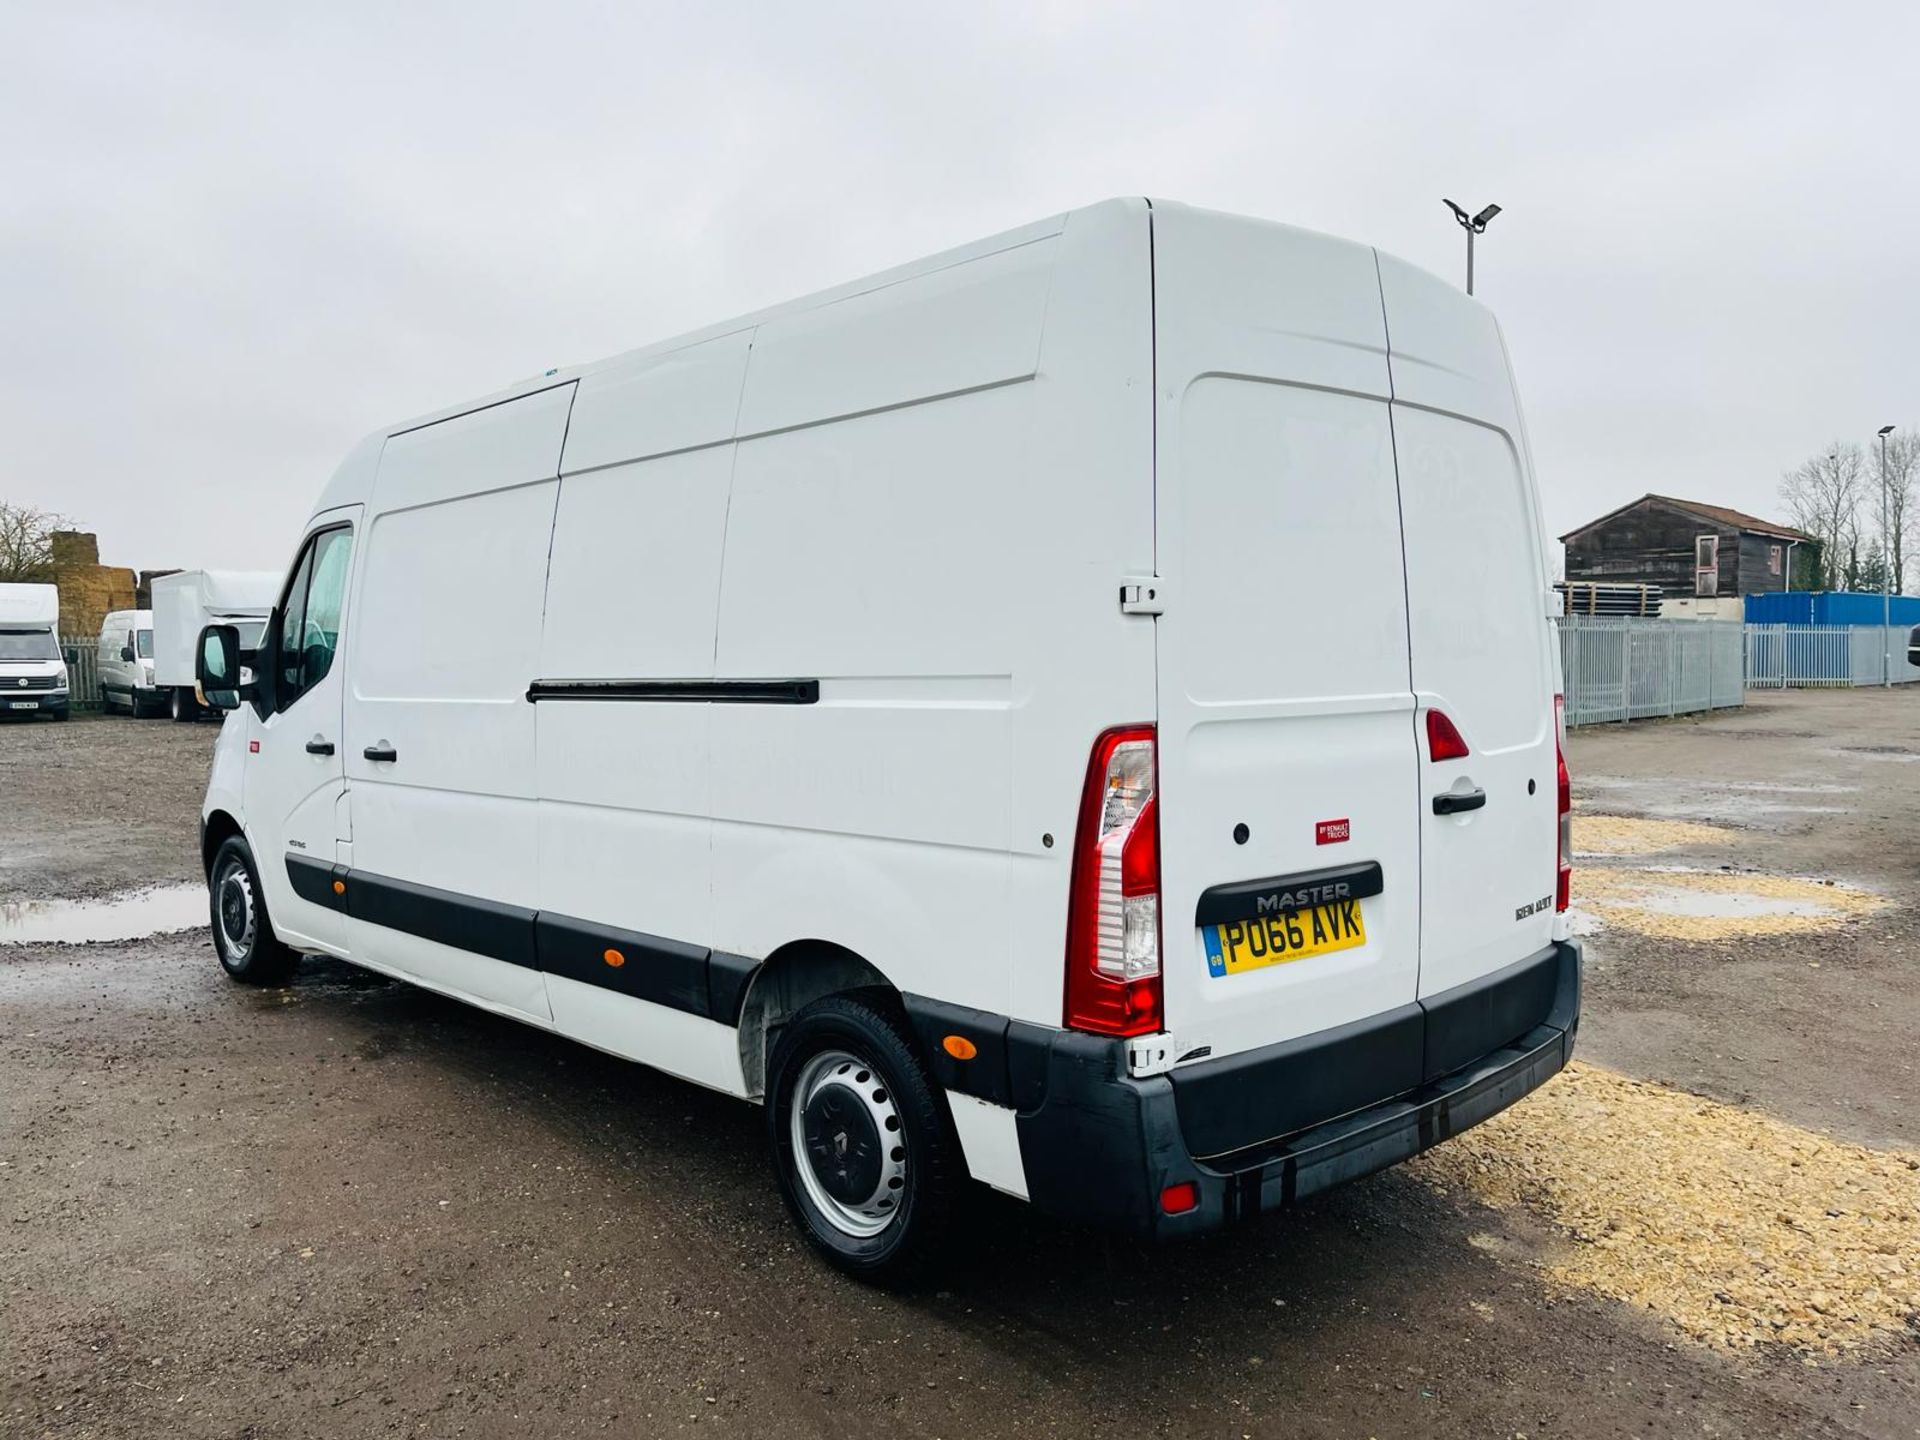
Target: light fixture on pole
{"points": [[1886, 561], [1473, 225]]}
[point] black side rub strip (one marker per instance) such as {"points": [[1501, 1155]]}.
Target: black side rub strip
{"points": [[1249, 899], [690, 978], [484, 927], [313, 880], [717, 692]]}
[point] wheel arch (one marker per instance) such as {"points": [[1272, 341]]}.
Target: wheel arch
{"points": [[214, 832], [785, 983]]}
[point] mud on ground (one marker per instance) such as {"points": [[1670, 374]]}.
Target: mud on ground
{"points": [[351, 1208]]}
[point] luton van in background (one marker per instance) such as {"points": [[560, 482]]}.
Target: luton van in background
{"points": [[33, 676], [919, 708], [187, 602]]}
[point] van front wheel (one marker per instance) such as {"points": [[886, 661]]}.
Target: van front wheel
{"points": [[243, 936], [862, 1144]]}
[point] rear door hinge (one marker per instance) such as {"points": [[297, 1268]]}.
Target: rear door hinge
{"points": [[1142, 595]]}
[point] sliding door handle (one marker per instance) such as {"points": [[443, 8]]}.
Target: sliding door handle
{"points": [[319, 745], [1458, 802], [382, 751]]}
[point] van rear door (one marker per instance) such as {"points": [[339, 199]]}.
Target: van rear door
{"points": [[1482, 648], [1286, 718]]}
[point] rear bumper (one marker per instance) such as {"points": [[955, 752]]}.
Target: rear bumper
{"points": [[1100, 1145]]}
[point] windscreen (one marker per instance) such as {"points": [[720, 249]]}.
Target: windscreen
{"points": [[28, 645]]}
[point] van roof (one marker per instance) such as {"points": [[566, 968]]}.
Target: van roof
{"points": [[351, 479]]}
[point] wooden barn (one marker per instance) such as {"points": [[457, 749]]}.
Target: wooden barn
{"points": [[1699, 555]]}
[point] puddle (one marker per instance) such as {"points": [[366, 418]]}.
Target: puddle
{"points": [[1722, 800], [158, 911], [1683, 904]]}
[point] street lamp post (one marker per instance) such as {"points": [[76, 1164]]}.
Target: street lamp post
{"points": [[1473, 225], [1886, 577]]}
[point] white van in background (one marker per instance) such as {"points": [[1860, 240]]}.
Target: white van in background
{"points": [[125, 663], [33, 676], [1076, 712], [188, 601]]}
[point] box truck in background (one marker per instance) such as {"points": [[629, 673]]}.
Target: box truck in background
{"points": [[185, 602], [33, 677]]}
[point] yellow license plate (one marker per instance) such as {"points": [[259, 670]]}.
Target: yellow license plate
{"points": [[1275, 939]]}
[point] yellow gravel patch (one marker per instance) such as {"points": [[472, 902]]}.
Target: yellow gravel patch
{"points": [[1716, 905], [1630, 835], [1736, 1227]]}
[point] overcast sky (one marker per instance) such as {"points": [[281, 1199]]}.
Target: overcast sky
{"points": [[235, 238]]}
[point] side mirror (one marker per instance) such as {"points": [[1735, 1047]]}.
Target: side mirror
{"points": [[126, 652], [217, 667]]}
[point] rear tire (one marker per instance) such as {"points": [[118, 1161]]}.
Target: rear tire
{"points": [[181, 706], [243, 935], [863, 1146]]}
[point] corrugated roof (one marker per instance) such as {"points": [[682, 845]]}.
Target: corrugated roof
{"points": [[1722, 514]]}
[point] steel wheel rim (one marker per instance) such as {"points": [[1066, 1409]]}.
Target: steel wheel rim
{"points": [[849, 1146], [233, 910]]}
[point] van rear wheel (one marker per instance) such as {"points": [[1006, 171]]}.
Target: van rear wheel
{"points": [[243, 935], [862, 1144], [181, 705]]}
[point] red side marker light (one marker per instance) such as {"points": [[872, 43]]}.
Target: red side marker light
{"points": [[1443, 738], [253, 747], [1179, 1199]]}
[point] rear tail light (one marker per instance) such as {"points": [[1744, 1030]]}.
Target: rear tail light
{"points": [[1563, 892], [1444, 741], [1113, 915]]}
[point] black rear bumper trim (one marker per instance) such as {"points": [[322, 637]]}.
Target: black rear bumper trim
{"points": [[1101, 1146]]}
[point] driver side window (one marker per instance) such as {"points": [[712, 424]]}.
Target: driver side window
{"points": [[310, 614]]}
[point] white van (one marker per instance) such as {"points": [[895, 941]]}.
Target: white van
{"points": [[33, 674], [791, 706], [184, 604], [125, 663]]}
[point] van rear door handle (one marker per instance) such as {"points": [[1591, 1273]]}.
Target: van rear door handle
{"points": [[382, 751], [1458, 802], [319, 746]]}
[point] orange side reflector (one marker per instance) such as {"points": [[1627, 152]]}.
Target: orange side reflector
{"points": [[339, 887], [613, 958], [959, 1047]]}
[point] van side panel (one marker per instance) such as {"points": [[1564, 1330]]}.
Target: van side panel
{"points": [[1083, 523], [446, 640], [919, 537], [625, 837]]}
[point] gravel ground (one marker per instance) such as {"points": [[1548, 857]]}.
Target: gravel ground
{"points": [[97, 805], [351, 1208]]}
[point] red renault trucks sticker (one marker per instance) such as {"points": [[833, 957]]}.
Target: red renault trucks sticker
{"points": [[1332, 832]]}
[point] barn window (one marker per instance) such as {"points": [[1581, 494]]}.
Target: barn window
{"points": [[1773, 559]]}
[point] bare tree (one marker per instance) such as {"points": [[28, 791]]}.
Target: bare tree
{"points": [[26, 542], [1823, 495], [1903, 480]]}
